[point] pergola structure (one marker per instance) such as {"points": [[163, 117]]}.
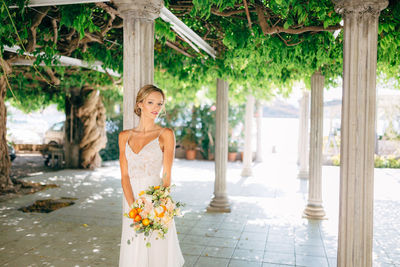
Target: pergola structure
{"points": [[358, 115]]}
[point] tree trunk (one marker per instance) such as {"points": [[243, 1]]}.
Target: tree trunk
{"points": [[72, 128], [85, 133], [5, 163], [93, 117]]}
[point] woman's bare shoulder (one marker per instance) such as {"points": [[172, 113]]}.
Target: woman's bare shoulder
{"points": [[123, 135], [167, 132]]}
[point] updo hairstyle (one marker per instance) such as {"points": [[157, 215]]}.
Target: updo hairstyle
{"points": [[144, 92]]}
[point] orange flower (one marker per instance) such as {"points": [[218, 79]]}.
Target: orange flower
{"points": [[133, 213], [139, 210], [141, 193], [157, 187], [160, 211], [137, 218], [146, 222]]}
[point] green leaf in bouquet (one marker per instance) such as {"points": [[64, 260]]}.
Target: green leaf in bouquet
{"points": [[129, 242], [131, 225], [148, 244], [140, 230]]}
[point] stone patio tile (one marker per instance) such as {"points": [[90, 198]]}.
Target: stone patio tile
{"points": [[227, 233], [253, 236], [190, 260], [280, 238], [209, 232], [287, 248], [196, 240], [311, 261], [332, 262], [256, 228], [248, 244], [238, 227], [266, 264], [279, 258], [191, 249], [211, 262], [218, 252], [223, 242], [240, 263], [33, 261], [310, 251], [248, 255]]}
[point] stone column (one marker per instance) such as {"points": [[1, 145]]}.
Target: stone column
{"points": [[259, 131], [139, 16], [220, 202], [304, 136], [248, 149], [357, 130], [314, 209]]}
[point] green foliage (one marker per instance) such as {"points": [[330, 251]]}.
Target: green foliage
{"points": [[380, 161], [113, 127], [252, 62]]}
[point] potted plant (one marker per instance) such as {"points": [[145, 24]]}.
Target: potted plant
{"points": [[189, 144], [232, 150]]}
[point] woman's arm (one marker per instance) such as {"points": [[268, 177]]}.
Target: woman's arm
{"points": [[125, 182], [168, 139]]}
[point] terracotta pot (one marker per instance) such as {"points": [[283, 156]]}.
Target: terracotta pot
{"points": [[190, 154], [232, 156]]}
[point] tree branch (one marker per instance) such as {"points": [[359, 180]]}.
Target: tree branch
{"points": [[287, 42], [247, 13], [55, 30], [52, 76], [32, 33], [175, 47]]}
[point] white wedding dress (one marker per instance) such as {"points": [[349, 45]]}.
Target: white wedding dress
{"points": [[144, 170]]}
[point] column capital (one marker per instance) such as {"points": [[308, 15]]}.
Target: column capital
{"points": [[360, 7], [142, 9]]}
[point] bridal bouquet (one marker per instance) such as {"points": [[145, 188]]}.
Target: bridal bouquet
{"points": [[153, 211]]}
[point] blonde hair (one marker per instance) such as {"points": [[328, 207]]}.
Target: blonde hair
{"points": [[144, 92]]}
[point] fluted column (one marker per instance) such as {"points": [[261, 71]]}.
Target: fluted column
{"points": [[314, 209], [259, 131], [357, 130], [248, 124], [220, 202], [304, 136], [139, 16]]}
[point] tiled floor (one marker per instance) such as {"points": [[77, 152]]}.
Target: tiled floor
{"points": [[265, 227]]}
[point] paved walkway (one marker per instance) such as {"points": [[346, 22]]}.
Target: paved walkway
{"points": [[265, 227]]}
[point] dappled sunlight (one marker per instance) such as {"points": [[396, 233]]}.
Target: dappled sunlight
{"points": [[266, 216]]}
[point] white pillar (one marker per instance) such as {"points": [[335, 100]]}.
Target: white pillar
{"points": [[248, 124], [314, 209], [220, 202], [259, 131], [357, 130], [304, 136], [139, 18]]}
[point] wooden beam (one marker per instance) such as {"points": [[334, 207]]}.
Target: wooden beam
{"points": [[36, 3]]}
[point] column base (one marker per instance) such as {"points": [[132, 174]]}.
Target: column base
{"points": [[259, 159], [219, 205], [303, 175], [314, 212], [247, 171]]}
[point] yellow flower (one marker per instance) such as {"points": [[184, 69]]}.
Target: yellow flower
{"points": [[141, 193], [157, 187]]}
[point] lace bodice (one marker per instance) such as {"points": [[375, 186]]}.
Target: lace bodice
{"points": [[148, 162]]}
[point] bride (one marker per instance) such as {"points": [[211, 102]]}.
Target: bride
{"points": [[144, 151]]}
